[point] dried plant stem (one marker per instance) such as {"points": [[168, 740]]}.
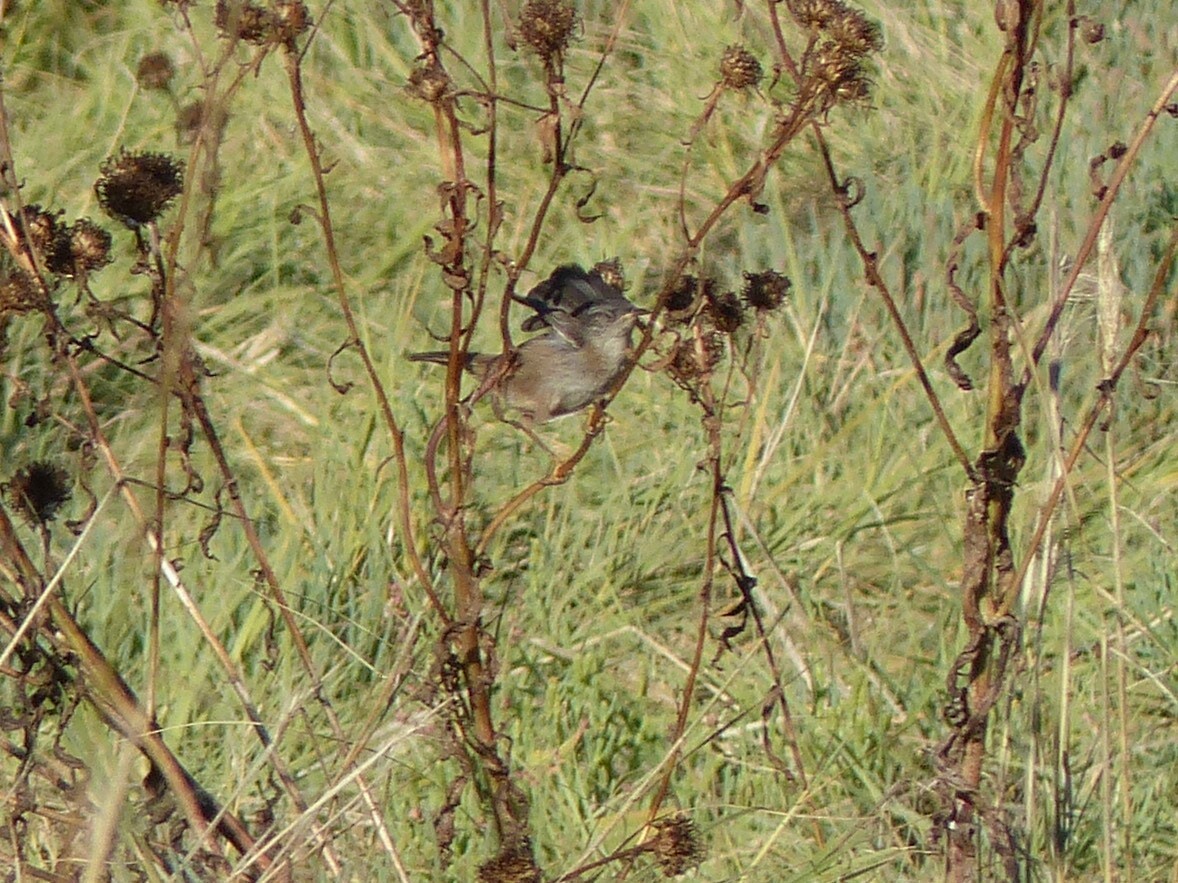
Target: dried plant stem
{"points": [[1110, 303], [178, 375], [169, 360], [704, 596], [103, 686], [876, 280], [988, 563], [1125, 163], [355, 341], [119, 707], [1084, 429]]}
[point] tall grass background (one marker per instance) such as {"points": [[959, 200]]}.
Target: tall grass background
{"points": [[849, 502]]}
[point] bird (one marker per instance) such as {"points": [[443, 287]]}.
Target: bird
{"points": [[586, 327], [564, 299]]}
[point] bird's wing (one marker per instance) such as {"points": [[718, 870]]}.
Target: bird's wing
{"points": [[563, 300]]}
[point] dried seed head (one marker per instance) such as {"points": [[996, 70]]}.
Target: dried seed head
{"points": [[840, 73], [814, 14], [695, 358], [89, 246], [39, 227], [832, 64], [739, 69], [765, 291], [547, 26], [682, 366], [245, 21], [846, 37], [155, 71], [855, 88], [252, 23], [676, 845], [726, 311], [43, 234], [38, 490], [611, 273], [292, 18], [854, 33], [135, 188]]}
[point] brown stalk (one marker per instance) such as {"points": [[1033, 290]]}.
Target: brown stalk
{"points": [[102, 686], [396, 433], [465, 629], [988, 555], [105, 688]]}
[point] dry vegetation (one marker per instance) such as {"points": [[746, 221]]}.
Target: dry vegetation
{"points": [[862, 567]]}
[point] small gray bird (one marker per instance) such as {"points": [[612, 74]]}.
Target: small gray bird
{"points": [[564, 299], [587, 335]]}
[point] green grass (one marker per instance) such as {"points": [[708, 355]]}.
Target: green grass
{"points": [[849, 502]]}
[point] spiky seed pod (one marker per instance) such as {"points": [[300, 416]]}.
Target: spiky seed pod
{"points": [[155, 71], [258, 25], [840, 74], [547, 26], [847, 37], [832, 64], [135, 188], [245, 21], [726, 311], [765, 291], [739, 69], [611, 273], [292, 18], [695, 358], [676, 845], [89, 246], [43, 233], [38, 490], [682, 366], [855, 88], [41, 226], [854, 33], [814, 14]]}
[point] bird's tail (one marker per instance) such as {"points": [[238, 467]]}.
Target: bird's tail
{"points": [[441, 357]]}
